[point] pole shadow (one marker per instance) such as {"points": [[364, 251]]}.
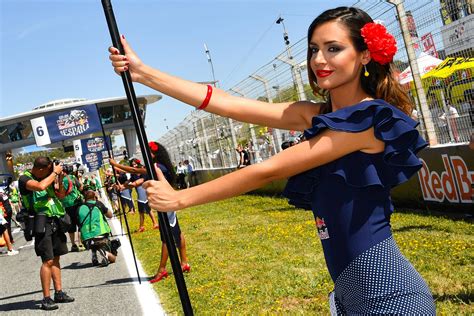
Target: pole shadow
{"points": [[17, 306]]}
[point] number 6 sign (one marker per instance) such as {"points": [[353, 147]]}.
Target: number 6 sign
{"points": [[40, 130]]}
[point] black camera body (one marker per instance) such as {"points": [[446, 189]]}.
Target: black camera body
{"points": [[69, 168]]}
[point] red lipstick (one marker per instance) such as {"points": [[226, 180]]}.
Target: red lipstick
{"points": [[323, 73]]}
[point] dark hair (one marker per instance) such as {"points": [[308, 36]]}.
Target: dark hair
{"points": [[161, 156], [381, 83], [135, 160], [285, 145], [42, 162], [89, 195]]}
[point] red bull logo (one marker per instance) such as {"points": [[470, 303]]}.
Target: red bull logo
{"points": [[322, 229], [453, 184]]}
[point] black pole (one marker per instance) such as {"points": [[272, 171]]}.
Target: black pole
{"points": [[143, 141], [122, 209]]}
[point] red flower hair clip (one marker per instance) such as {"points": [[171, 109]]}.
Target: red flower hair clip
{"points": [[381, 44], [153, 146]]}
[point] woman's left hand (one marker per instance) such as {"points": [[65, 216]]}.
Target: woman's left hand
{"points": [[161, 196]]}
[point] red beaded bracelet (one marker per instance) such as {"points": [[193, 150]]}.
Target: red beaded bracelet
{"points": [[207, 98]]}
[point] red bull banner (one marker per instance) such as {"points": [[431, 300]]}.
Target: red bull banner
{"points": [[444, 183]]}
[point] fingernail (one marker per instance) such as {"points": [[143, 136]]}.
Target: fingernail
{"points": [[125, 58], [125, 68], [123, 36]]}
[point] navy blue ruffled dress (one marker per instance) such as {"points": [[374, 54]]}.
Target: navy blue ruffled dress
{"points": [[350, 199]]}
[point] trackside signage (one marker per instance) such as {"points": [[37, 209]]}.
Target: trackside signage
{"points": [[453, 183]]}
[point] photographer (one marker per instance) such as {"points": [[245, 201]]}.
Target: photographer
{"points": [[71, 202], [41, 199], [95, 230]]}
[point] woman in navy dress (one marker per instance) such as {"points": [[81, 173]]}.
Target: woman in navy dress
{"points": [[359, 144]]}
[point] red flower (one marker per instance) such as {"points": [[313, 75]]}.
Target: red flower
{"points": [[153, 146], [381, 44]]}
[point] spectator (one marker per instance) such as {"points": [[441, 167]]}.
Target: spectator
{"points": [[285, 145], [98, 185], [181, 171], [110, 187], [138, 176], [4, 199], [244, 155], [39, 197], [4, 232], [448, 122], [95, 230], [71, 202], [189, 173], [161, 158], [125, 192], [14, 199]]}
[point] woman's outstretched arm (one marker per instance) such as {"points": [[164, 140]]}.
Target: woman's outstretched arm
{"points": [[128, 169], [324, 148], [289, 115]]}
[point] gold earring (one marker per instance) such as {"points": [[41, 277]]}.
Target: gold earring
{"points": [[366, 73]]}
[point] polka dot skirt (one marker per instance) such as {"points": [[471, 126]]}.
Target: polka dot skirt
{"points": [[381, 281]]}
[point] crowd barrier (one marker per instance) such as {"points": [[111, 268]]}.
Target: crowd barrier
{"points": [[445, 182]]}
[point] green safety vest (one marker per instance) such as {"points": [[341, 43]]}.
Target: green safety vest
{"points": [[74, 197], [92, 222], [14, 196], [44, 202]]}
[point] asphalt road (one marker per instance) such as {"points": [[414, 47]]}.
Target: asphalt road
{"points": [[97, 291]]}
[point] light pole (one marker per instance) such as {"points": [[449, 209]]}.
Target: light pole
{"points": [[422, 103], [295, 69], [276, 135], [213, 117], [208, 54]]}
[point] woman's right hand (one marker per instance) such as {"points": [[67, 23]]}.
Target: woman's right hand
{"points": [[129, 61]]}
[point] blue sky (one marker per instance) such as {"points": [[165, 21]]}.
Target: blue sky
{"points": [[58, 49]]}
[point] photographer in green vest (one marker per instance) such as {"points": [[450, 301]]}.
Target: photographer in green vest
{"points": [[71, 202], [39, 197], [95, 230]]}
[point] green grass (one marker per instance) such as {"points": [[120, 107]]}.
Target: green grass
{"points": [[257, 255]]}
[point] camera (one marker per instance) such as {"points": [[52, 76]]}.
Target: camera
{"points": [[56, 162], [114, 245], [69, 168]]}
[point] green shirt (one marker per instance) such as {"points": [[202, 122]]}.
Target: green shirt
{"points": [[74, 197], [92, 220]]}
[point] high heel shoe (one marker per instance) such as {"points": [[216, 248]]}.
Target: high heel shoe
{"points": [[160, 276], [186, 268]]}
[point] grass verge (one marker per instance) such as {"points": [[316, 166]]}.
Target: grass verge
{"points": [[257, 255]]}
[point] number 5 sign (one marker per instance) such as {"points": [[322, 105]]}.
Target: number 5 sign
{"points": [[40, 130]]}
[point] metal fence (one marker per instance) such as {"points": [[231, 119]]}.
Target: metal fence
{"points": [[438, 32]]}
